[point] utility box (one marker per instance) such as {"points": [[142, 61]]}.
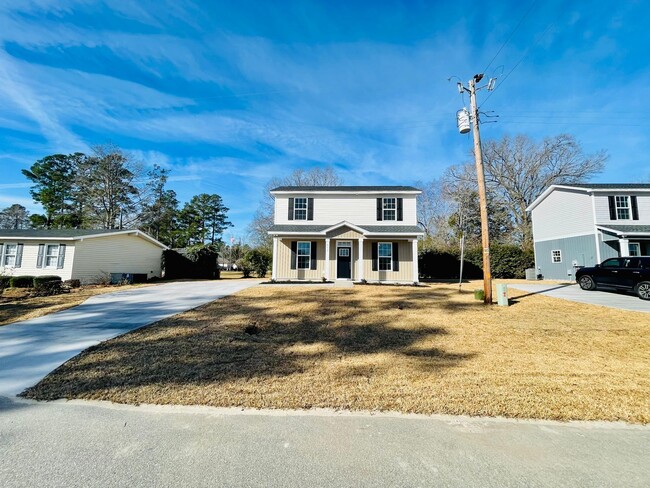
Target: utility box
{"points": [[502, 295], [531, 274]]}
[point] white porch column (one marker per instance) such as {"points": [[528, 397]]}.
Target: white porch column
{"points": [[327, 259], [360, 270], [624, 245], [416, 271], [274, 267]]}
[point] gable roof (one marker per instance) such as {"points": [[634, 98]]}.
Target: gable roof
{"points": [[72, 234], [346, 189], [590, 188]]}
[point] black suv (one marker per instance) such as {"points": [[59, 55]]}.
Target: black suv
{"points": [[630, 274]]}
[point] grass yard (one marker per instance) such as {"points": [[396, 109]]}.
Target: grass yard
{"points": [[15, 306], [427, 350]]}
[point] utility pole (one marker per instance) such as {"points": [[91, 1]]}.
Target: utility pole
{"points": [[480, 176]]}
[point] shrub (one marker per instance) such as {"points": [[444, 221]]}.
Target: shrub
{"points": [[435, 263], [24, 281], [506, 261], [44, 279], [72, 283], [245, 266], [200, 262], [4, 282], [47, 285], [260, 261]]}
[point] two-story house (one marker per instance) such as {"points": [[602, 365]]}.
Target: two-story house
{"points": [[585, 223], [345, 233]]}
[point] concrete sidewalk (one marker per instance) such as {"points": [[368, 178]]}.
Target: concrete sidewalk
{"points": [[91, 444], [574, 293], [31, 349]]}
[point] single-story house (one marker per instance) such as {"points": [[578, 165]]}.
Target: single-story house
{"points": [[87, 255]]}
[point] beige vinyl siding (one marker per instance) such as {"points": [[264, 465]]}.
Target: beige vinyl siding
{"points": [[357, 209], [344, 233], [284, 271], [563, 213], [602, 209], [115, 254], [405, 273], [30, 255]]}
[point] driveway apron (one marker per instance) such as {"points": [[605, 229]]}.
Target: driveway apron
{"points": [[574, 293], [31, 349]]}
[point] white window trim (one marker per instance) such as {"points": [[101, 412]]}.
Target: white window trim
{"points": [[343, 243], [379, 257], [384, 209], [298, 255], [296, 209], [559, 251], [5, 254], [56, 256], [637, 246], [627, 207]]}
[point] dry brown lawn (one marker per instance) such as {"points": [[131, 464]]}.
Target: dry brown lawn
{"points": [[428, 350], [15, 304]]}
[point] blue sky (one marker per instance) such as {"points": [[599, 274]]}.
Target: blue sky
{"points": [[230, 94]]}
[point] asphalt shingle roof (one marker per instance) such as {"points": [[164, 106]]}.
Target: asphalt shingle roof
{"points": [[56, 233], [345, 188], [373, 229], [627, 228], [610, 186]]}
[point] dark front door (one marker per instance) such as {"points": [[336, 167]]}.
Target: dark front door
{"points": [[344, 263]]}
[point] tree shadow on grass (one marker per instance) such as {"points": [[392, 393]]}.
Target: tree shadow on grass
{"points": [[210, 346]]}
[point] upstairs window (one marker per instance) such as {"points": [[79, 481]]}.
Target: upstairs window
{"points": [[390, 209], [300, 209], [622, 207]]}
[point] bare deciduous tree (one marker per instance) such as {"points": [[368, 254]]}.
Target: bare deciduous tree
{"points": [[518, 170], [263, 218]]}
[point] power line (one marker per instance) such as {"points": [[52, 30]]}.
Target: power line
{"points": [[511, 34], [537, 41]]}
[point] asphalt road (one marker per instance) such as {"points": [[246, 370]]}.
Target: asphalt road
{"points": [[87, 444], [31, 349]]}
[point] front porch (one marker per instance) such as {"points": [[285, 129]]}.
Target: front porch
{"points": [[626, 240], [345, 253]]}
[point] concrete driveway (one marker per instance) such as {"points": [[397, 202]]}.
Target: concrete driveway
{"points": [[91, 444], [574, 293], [31, 349]]}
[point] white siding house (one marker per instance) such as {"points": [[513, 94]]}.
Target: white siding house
{"points": [[87, 255], [345, 233], [584, 224]]}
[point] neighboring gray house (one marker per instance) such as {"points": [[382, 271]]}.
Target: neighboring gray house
{"points": [[87, 255], [585, 223]]}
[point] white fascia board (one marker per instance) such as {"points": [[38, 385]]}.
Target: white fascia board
{"points": [[137, 233], [394, 234], [345, 223], [22, 238], [348, 192], [620, 190]]}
